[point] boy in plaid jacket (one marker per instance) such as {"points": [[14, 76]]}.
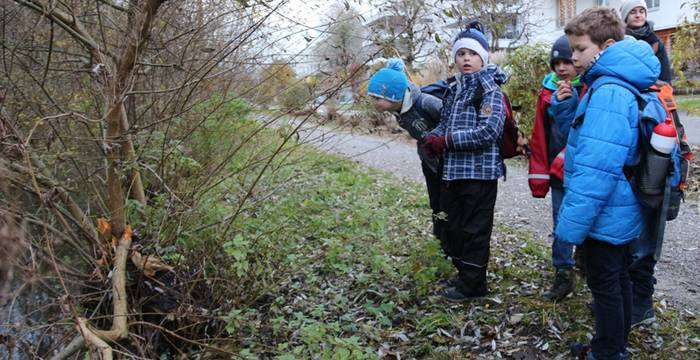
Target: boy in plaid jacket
{"points": [[468, 137]]}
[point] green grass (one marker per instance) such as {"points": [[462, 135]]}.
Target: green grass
{"points": [[691, 104]]}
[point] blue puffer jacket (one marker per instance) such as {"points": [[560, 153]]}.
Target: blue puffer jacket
{"points": [[598, 201]]}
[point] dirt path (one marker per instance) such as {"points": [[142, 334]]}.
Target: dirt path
{"points": [[678, 282]]}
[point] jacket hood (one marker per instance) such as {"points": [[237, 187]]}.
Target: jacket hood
{"points": [[632, 61], [415, 92], [498, 75], [550, 81]]}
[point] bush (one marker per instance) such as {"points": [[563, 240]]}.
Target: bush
{"points": [[219, 118], [685, 47], [295, 97], [528, 65]]}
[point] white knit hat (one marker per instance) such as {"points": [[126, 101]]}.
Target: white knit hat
{"points": [[628, 5]]}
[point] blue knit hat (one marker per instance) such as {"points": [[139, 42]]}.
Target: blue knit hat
{"points": [[472, 38], [389, 82]]}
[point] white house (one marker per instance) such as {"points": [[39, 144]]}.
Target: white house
{"points": [[553, 15]]}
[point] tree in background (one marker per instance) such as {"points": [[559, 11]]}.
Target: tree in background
{"points": [[405, 29], [509, 20], [273, 80], [686, 45], [342, 53], [342, 43]]}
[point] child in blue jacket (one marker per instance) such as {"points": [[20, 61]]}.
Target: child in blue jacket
{"points": [[599, 209], [471, 125], [417, 113]]}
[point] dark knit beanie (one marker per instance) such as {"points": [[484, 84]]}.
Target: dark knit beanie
{"points": [[560, 51]]}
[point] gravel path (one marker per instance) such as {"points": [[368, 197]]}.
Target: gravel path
{"points": [[692, 127], [678, 282]]}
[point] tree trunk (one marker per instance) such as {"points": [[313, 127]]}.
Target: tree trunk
{"points": [[135, 184]]}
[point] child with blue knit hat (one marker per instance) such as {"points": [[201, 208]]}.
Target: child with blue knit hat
{"points": [[390, 82], [416, 112], [554, 112], [471, 125]]}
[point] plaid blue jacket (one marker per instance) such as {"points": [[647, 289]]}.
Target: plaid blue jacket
{"points": [[475, 152]]}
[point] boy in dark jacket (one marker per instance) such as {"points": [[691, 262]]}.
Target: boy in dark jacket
{"points": [[599, 208], [470, 127], [416, 112], [556, 103]]}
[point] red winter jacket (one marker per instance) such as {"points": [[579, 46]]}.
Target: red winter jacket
{"points": [[540, 168], [538, 172]]}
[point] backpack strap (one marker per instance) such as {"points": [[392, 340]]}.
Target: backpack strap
{"points": [[641, 103]]}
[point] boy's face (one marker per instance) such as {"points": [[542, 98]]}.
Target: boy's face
{"points": [[637, 17], [468, 61], [583, 51], [564, 69], [381, 104]]}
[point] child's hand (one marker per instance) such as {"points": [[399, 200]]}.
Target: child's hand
{"points": [[564, 90], [435, 146]]}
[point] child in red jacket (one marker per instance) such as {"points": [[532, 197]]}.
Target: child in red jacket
{"points": [[556, 104]]}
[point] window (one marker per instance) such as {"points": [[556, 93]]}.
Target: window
{"points": [[653, 4], [567, 10], [510, 28]]}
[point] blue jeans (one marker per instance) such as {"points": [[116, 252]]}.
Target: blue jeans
{"points": [[610, 285], [562, 252], [642, 268]]}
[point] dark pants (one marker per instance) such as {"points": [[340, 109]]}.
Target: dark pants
{"points": [[466, 231], [610, 285], [432, 181], [642, 268]]}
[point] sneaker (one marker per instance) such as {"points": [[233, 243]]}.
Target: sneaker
{"points": [[643, 318], [580, 351], [564, 283]]}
